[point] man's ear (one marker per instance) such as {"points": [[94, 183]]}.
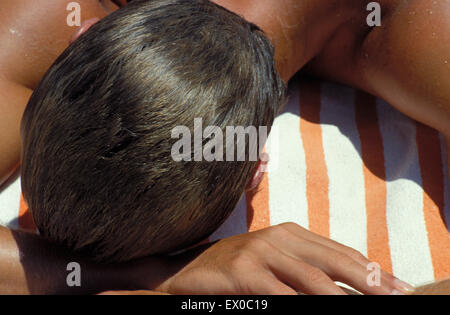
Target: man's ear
{"points": [[261, 168], [83, 28]]}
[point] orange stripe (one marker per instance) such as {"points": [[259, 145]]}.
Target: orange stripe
{"points": [[258, 213], [374, 180], [316, 169], [431, 168], [25, 218]]}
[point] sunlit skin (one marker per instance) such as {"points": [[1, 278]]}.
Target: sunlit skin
{"points": [[406, 62]]}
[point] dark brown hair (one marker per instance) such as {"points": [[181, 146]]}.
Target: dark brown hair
{"points": [[97, 170]]}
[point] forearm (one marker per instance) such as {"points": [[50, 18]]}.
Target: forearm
{"points": [[13, 99], [30, 265]]}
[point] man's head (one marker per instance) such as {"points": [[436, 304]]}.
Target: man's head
{"points": [[97, 170]]}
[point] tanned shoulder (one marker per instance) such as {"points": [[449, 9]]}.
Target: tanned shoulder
{"points": [[33, 33]]}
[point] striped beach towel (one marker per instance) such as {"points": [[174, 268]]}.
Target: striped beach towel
{"points": [[347, 166], [350, 167]]}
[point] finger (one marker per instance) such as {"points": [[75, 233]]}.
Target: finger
{"points": [[388, 279], [343, 268], [335, 264], [264, 283], [310, 236], [302, 276]]}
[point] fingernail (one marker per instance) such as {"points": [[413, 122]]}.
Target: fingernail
{"points": [[403, 286]]}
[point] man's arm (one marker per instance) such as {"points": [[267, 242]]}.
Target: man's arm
{"points": [[32, 35], [406, 61], [31, 265], [13, 98], [282, 259]]}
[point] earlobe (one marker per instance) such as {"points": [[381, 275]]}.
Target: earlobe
{"points": [[83, 28], [258, 175]]}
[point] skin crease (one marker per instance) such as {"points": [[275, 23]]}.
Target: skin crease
{"points": [[310, 34]]}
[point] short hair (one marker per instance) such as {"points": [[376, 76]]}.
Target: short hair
{"points": [[97, 170]]}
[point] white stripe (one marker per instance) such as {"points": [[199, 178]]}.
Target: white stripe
{"points": [[342, 149], [235, 224], [410, 253], [446, 151], [10, 204], [287, 167]]}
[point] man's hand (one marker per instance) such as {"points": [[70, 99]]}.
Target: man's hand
{"points": [[282, 259]]}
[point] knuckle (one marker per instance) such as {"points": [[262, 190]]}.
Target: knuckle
{"points": [[242, 262], [315, 275], [289, 225], [336, 257], [278, 231], [244, 286], [354, 254], [257, 244]]}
